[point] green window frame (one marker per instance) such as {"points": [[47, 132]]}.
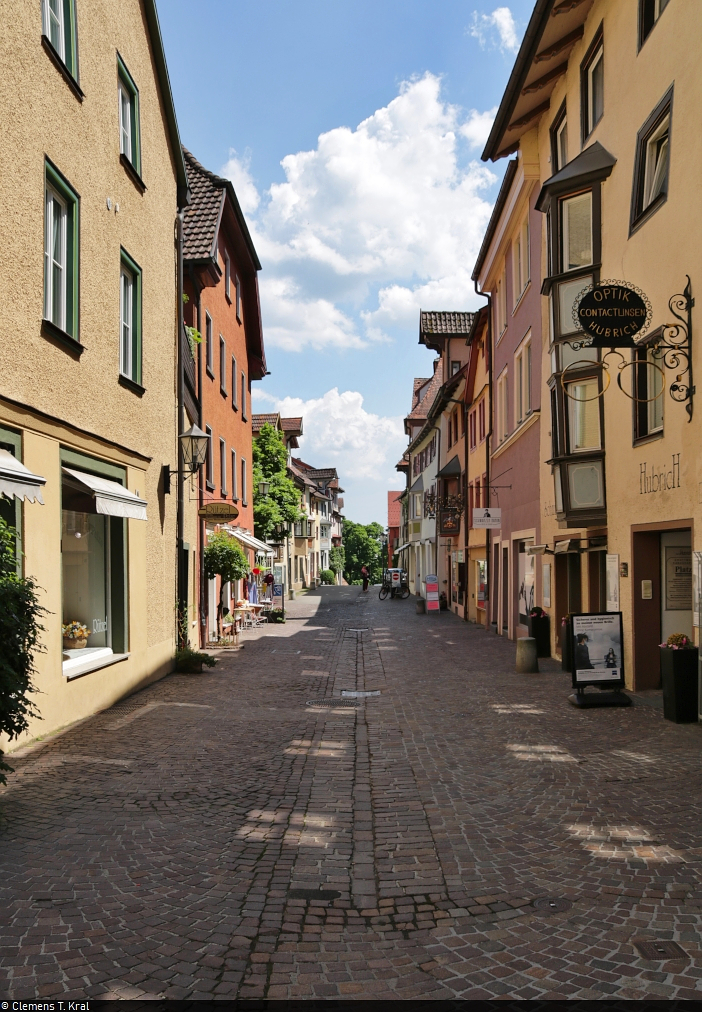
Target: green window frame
{"points": [[130, 288], [129, 126], [59, 29], [61, 252], [11, 509]]}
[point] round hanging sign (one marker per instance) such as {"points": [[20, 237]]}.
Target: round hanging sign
{"points": [[613, 313]]}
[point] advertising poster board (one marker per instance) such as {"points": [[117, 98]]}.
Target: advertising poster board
{"points": [[678, 578], [696, 587], [277, 603], [597, 649], [432, 585]]}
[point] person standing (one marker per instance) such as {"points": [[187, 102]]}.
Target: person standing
{"points": [[364, 574]]}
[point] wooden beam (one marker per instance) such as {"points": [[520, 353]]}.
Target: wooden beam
{"points": [[557, 47], [564, 6], [536, 111], [541, 82]]}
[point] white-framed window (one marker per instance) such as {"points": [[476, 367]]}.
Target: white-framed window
{"points": [[656, 164], [56, 258], [502, 407], [209, 463], [125, 122], [222, 365], [209, 350], [561, 144], [649, 12], [235, 403], [244, 495], [522, 381], [238, 298], [576, 231], [520, 261], [128, 101], [234, 476], [126, 316], [595, 89], [54, 25], [583, 415], [501, 305], [418, 505], [649, 387], [227, 275], [243, 396], [223, 465]]}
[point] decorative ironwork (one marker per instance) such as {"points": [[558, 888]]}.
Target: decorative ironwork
{"points": [[434, 502], [675, 347]]}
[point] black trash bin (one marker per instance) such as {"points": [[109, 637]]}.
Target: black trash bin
{"points": [[679, 678], [539, 625]]}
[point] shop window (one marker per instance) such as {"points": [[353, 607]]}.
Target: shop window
{"points": [[649, 383], [61, 250], [592, 86], [129, 133], [559, 140], [59, 28], [94, 562], [649, 13], [576, 231], [652, 163], [130, 319]]}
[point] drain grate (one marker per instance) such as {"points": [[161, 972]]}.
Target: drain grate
{"points": [[548, 905], [314, 894], [335, 702], [654, 949]]}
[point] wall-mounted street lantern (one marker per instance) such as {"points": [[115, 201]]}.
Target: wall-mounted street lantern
{"points": [[263, 487], [194, 444]]}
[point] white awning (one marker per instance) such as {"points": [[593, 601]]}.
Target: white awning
{"points": [[401, 549], [111, 498], [259, 547], [17, 481]]}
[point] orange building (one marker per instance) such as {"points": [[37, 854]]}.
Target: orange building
{"points": [[221, 284]]}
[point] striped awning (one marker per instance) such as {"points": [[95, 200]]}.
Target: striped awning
{"points": [[17, 481]]}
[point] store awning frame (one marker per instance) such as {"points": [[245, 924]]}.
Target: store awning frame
{"points": [[17, 481], [452, 469], [418, 485], [259, 547], [111, 498], [402, 548]]}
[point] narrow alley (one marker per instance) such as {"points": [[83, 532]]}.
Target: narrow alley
{"points": [[459, 831]]}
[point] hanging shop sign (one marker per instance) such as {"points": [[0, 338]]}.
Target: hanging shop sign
{"points": [[487, 516], [219, 512], [449, 522], [613, 313]]}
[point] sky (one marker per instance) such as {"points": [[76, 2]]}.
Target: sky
{"points": [[352, 132]]}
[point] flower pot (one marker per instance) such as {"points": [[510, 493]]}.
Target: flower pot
{"points": [[69, 643], [540, 628], [679, 678]]}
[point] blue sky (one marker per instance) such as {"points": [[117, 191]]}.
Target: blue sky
{"points": [[352, 133]]}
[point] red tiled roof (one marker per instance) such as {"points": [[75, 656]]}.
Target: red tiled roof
{"points": [[422, 409], [394, 508], [444, 323], [258, 421], [292, 425]]}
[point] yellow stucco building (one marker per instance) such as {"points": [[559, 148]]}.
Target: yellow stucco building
{"points": [[91, 180], [606, 91]]}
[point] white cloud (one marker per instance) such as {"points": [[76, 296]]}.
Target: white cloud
{"points": [[237, 169], [500, 23], [386, 207], [477, 127]]}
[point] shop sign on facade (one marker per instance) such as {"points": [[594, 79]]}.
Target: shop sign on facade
{"points": [[612, 313], [218, 512], [487, 516]]}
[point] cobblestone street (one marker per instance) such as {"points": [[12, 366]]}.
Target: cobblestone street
{"points": [[219, 835]]}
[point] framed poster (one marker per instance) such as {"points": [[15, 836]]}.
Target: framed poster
{"points": [[678, 578], [597, 649], [546, 584], [696, 586], [526, 581], [612, 573], [481, 567]]}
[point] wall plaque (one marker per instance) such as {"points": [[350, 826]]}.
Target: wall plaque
{"points": [[678, 578]]}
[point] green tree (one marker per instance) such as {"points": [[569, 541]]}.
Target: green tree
{"points": [[224, 558], [337, 557], [364, 546], [20, 612], [281, 504]]}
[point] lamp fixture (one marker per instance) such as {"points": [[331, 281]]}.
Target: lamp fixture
{"points": [[194, 446], [263, 487]]}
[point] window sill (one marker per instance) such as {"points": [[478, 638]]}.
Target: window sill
{"points": [[521, 296], [133, 174], [55, 333], [209, 372], [651, 438], [209, 485], [235, 407], [62, 68], [86, 667], [130, 384], [223, 391], [228, 297], [517, 433], [647, 213]]}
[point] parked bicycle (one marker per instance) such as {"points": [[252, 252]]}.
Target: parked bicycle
{"points": [[395, 584]]}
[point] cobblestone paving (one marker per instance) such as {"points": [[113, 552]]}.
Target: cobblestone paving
{"points": [[224, 835]]}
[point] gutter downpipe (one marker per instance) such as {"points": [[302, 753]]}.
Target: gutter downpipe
{"points": [[202, 607], [488, 546], [182, 590]]}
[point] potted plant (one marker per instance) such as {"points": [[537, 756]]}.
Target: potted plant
{"points": [[189, 661], [75, 635], [679, 662], [539, 625]]}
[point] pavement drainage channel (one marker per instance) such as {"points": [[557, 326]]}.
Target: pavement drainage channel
{"points": [[361, 693], [336, 702], [654, 949], [314, 894]]}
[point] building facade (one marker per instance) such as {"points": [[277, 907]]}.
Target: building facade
{"points": [[92, 182]]}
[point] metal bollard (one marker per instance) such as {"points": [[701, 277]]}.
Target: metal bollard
{"points": [[527, 661]]}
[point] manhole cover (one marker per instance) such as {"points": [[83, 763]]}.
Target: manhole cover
{"points": [[335, 702], [653, 949], [546, 905], [314, 894], [360, 692]]}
